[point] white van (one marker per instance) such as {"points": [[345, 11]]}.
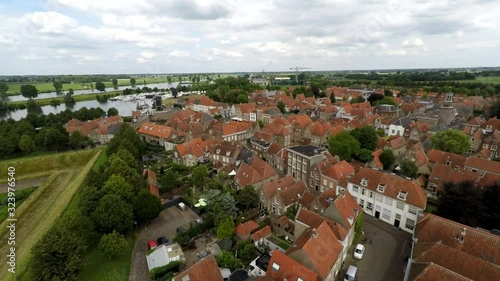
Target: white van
{"points": [[351, 273]]}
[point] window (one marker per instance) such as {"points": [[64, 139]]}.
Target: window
{"points": [[412, 211], [400, 205], [386, 214], [362, 203], [448, 163], [276, 266], [493, 147], [364, 182], [410, 224], [371, 194], [369, 206], [488, 127], [398, 216], [402, 195], [354, 189], [362, 191], [388, 201], [324, 182], [485, 145], [276, 201], [381, 188]]}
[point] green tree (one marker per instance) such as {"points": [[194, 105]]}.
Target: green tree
{"points": [[99, 85], [68, 98], [387, 100], [29, 91], [408, 168], [226, 259], [146, 206], [366, 136], [246, 252], [112, 244], [112, 213], [228, 204], [89, 198], [364, 155], [132, 82], [462, 202], [112, 111], [129, 158], [27, 144], [117, 166], [117, 185], [242, 98], [199, 175], [115, 83], [247, 197], [225, 229], [77, 140], [344, 145], [3, 88], [169, 79], [388, 93], [451, 140], [58, 85], [282, 107], [169, 181], [492, 113], [54, 139], [387, 158]]}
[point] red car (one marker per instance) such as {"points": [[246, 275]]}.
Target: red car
{"points": [[151, 244]]}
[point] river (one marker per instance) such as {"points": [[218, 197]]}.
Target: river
{"points": [[82, 92], [125, 108]]}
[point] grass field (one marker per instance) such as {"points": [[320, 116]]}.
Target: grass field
{"points": [[21, 195], [15, 88], [483, 79], [41, 209], [77, 98]]}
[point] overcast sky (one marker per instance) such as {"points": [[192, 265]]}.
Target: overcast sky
{"points": [[162, 36]]}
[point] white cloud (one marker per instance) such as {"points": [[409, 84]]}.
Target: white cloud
{"points": [[178, 54], [413, 42]]}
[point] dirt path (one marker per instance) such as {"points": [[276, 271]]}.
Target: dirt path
{"points": [[23, 184]]}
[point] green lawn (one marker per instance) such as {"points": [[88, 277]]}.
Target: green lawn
{"points": [[99, 267], [101, 160], [77, 98], [21, 195]]}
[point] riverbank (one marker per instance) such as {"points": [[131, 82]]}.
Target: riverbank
{"points": [[59, 100], [15, 87]]}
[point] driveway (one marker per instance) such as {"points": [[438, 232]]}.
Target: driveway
{"points": [[165, 224], [384, 258]]}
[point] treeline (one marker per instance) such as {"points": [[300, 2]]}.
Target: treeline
{"points": [[415, 76], [44, 132], [111, 201]]}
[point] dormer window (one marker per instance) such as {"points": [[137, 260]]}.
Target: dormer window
{"points": [[381, 188], [402, 195], [448, 163], [489, 127], [276, 267], [364, 182], [218, 151]]}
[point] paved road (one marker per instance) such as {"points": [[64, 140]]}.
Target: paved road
{"points": [[384, 257], [23, 184], [164, 225]]}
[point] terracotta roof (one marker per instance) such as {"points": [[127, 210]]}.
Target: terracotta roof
{"points": [[247, 175], [452, 259], [153, 189], [244, 229], [263, 168], [282, 267], [442, 174], [483, 164], [155, 130], [441, 157], [274, 148], [204, 270], [302, 119], [270, 188], [488, 180], [394, 184], [291, 194], [233, 127], [428, 271], [493, 122], [397, 142], [263, 136], [261, 233], [477, 243], [477, 121], [317, 248], [348, 208], [376, 158], [339, 171], [314, 220], [194, 147], [306, 199]]}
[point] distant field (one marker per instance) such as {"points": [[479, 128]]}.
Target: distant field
{"points": [[41, 209], [483, 79], [15, 88]]}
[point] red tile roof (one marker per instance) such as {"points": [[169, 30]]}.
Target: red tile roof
{"points": [[244, 229], [425, 271], [261, 233], [317, 248], [394, 184], [204, 270], [314, 220], [194, 147], [155, 130], [339, 171], [270, 188], [441, 157], [282, 267], [483, 164], [442, 174]]}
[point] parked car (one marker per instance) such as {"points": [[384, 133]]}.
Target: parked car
{"points": [[162, 240], [359, 251], [350, 275], [152, 244]]}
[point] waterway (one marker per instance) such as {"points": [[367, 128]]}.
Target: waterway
{"points": [[83, 92], [125, 108]]}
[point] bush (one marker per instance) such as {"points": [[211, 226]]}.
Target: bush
{"points": [[160, 272]]}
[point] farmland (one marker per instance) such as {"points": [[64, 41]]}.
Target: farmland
{"points": [[39, 211]]}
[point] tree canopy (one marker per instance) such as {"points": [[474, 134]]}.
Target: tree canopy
{"points": [[366, 136], [247, 198], [112, 244], [146, 206], [58, 85], [408, 168], [344, 145], [225, 229], [112, 213], [99, 85], [387, 158], [29, 91], [3, 88], [451, 140]]}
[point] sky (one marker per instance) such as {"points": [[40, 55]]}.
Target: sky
{"points": [[48, 37]]}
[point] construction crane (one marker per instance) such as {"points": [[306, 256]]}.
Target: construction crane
{"points": [[297, 68]]}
